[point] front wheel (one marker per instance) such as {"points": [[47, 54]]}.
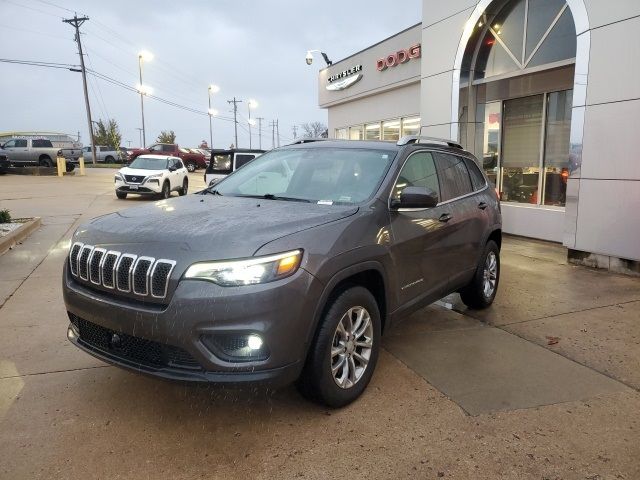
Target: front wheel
{"points": [[482, 289], [185, 187], [46, 162], [343, 356], [121, 195], [166, 190], [191, 167]]}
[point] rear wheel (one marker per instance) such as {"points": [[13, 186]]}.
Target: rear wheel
{"points": [[110, 160], [45, 161], [166, 190], [482, 289], [185, 187], [191, 167], [343, 356], [121, 195]]}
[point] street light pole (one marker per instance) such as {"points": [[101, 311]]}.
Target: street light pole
{"points": [[251, 104], [143, 56], [260, 119], [212, 89]]}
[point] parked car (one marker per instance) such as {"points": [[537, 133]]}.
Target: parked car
{"points": [[223, 162], [290, 268], [4, 164], [192, 161], [152, 175], [206, 153], [28, 151], [103, 154]]}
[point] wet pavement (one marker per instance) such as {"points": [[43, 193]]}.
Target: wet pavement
{"points": [[542, 385]]}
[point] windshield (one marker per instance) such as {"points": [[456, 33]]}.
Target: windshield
{"points": [[321, 175], [146, 163]]}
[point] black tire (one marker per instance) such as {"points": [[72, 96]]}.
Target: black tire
{"points": [[45, 162], [317, 381], [166, 190], [185, 187], [121, 195], [474, 295], [191, 167], [70, 167], [110, 160]]}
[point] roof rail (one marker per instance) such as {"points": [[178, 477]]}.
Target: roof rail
{"points": [[308, 140], [406, 140]]}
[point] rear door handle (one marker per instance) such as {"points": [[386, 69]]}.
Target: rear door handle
{"points": [[482, 205], [445, 217]]}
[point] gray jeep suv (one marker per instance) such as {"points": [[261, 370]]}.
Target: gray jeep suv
{"points": [[290, 268]]}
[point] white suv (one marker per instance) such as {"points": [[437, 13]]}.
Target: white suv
{"points": [[152, 175]]}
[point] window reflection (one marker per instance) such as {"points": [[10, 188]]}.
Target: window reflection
{"points": [[556, 155], [372, 131]]}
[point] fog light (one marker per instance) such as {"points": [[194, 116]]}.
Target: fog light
{"points": [[236, 347], [254, 342]]}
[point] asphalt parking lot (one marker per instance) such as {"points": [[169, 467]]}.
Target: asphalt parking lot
{"points": [[544, 385]]}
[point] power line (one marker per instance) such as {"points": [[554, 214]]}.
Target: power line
{"points": [[34, 9], [63, 66], [54, 5]]}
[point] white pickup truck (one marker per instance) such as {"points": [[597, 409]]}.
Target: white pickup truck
{"points": [[36, 151]]}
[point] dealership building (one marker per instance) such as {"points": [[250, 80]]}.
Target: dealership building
{"points": [[545, 93]]}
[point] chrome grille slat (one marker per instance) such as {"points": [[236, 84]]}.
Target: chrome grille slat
{"points": [[74, 253], [83, 262], [123, 272], [94, 265], [140, 275]]}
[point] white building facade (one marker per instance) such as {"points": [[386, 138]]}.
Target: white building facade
{"points": [[545, 93]]}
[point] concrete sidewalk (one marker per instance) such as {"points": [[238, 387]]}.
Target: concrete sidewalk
{"points": [[457, 394]]}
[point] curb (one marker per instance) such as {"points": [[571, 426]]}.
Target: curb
{"points": [[19, 234]]}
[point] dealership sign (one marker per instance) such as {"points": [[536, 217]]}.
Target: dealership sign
{"points": [[401, 56], [344, 79]]}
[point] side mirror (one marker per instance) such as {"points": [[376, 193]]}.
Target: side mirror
{"points": [[172, 168], [215, 181], [415, 197]]}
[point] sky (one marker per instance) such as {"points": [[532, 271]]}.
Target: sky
{"points": [[250, 49]]}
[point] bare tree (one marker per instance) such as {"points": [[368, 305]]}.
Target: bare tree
{"points": [[107, 133], [167, 136], [314, 130]]}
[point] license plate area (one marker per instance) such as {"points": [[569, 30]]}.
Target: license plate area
{"points": [[133, 187]]}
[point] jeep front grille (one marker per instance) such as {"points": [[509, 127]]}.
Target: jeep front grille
{"points": [[125, 272]]}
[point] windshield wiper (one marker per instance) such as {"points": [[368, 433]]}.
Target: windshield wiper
{"points": [[271, 196], [207, 191]]}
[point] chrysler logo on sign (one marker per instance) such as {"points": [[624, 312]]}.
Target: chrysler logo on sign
{"points": [[344, 79]]}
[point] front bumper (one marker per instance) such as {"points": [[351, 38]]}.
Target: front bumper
{"points": [[149, 187], [167, 340]]}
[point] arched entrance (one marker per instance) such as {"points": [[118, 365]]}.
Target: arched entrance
{"points": [[518, 103]]}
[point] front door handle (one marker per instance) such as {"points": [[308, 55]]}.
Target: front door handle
{"points": [[445, 217], [482, 205]]}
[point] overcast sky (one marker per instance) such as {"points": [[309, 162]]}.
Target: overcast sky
{"points": [[250, 49]]}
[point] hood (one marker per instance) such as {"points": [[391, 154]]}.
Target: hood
{"points": [[138, 172], [223, 227]]}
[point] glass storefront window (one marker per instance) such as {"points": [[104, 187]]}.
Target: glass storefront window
{"points": [[556, 152], [355, 133], [488, 140], [411, 126], [522, 129], [341, 133], [391, 130], [372, 131]]}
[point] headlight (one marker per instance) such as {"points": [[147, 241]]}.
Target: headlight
{"points": [[117, 177], [247, 272], [157, 175]]}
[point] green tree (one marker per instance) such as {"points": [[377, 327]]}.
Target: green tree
{"points": [[107, 133], [167, 136]]}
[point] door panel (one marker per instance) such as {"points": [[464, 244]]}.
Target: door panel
{"points": [[420, 247]]}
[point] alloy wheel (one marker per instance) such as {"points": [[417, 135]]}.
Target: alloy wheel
{"points": [[351, 347], [490, 275]]}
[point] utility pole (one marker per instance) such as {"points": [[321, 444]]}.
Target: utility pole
{"points": [[295, 131], [76, 23], [235, 116], [278, 132], [260, 131], [272, 124]]}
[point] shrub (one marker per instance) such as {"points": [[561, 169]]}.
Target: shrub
{"points": [[5, 216]]}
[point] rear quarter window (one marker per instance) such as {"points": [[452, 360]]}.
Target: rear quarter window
{"points": [[477, 179], [454, 176]]}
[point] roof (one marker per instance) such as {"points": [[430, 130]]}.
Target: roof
{"points": [[325, 143], [237, 150]]}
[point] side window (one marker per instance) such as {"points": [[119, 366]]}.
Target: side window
{"points": [[167, 148], [178, 163], [418, 171], [41, 144], [155, 148], [22, 143], [477, 179], [243, 160], [10, 144], [454, 176]]}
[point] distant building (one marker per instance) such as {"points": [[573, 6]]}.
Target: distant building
{"points": [[60, 140]]}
